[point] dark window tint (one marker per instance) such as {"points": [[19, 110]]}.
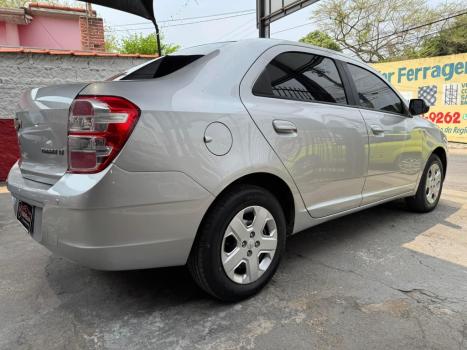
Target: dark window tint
{"points": [[301, 76], [373, 92], [162, 67]]}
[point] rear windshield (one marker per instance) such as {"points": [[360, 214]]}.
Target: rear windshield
{"points": [[162, 67]]}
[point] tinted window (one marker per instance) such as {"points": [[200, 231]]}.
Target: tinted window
{"points": [[373, 92], [161, 67], [301, 76]]}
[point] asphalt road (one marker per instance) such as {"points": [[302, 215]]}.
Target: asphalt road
{"points": [[383, 278]]}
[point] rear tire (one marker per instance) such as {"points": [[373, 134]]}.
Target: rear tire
{"points": [[239, 243], [429, 190]]}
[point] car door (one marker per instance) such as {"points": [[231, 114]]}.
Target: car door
{"points": [[394, 142], [298, 100]]}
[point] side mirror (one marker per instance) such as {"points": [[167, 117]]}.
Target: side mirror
{"points": [[418, 106]]}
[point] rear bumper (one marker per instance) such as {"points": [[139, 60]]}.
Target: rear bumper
{"points": [[116, 220]]}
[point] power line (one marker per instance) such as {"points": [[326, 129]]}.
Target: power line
{"points": [[236, 31], [246, 32], [210, 20], [386, 36], [413, 40], [299, 26], [185, 24], [416, 27], [389, 35], [188, 18]]}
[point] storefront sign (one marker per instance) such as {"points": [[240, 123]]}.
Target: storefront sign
{"points": [[442, 82]]}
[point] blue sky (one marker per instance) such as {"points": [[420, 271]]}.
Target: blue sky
{"points": [[241, 27]]}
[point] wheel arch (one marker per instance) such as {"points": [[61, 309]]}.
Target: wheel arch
{"points": [[441, 153], [270, 182], [277, 187]]}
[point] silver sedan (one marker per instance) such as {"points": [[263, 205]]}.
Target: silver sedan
{"points": [[212, 156]]}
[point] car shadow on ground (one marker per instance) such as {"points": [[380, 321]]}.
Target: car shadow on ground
{"points": [[154, 289], [374, 224]]}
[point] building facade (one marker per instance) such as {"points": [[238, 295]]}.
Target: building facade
{"points": [[48, 26]]}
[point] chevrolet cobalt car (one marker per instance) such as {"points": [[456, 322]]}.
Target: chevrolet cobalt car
{"points": [[212, 156]]}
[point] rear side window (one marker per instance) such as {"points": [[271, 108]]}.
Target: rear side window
{"points": [[373, 92], [162, 67], [303, 77]]}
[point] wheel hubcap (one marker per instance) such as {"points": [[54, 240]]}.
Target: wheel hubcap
{"points": [[249, 244], [433, 183]]}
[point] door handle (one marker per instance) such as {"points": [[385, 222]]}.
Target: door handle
{"points": [[284, 127], [377, 130]]}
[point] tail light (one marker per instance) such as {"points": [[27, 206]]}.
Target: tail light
{"points": [[98, 127]]}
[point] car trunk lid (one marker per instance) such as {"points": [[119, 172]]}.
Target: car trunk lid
{"points": [[42, 122]]}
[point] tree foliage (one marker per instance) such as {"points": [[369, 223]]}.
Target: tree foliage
{"points": [[137, 44], [111, 41], [13, 3], [377, 30], [144, 44], [321, 39], [448, 41]]}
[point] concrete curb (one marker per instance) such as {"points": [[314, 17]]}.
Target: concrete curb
{"points": [[456, 145]]}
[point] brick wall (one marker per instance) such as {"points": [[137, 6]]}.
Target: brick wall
{"points": [[92, 33], [22, 71]]}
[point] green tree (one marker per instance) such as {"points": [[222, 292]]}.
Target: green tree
{"points": [[145, 44], [321, 39], [375, 30], [448, 41], [111, 41]]}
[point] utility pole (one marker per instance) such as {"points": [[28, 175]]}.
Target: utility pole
{"points": [[262, 24]]}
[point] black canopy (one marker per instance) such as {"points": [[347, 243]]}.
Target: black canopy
{"points": [[142, 8]]}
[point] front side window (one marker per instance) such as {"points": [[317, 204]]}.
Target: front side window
{"points": [[373, 92], [303, 77]]}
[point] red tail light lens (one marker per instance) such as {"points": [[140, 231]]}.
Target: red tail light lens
{"points": [[98, 127]]}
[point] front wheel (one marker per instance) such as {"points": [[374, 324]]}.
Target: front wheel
{"points": [[429, 190], [239, 243]]}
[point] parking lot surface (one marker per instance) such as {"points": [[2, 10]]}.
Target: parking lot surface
{"points": [[383, 278]]}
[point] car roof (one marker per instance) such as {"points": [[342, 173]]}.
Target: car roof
{"points": [[265, 43]]}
